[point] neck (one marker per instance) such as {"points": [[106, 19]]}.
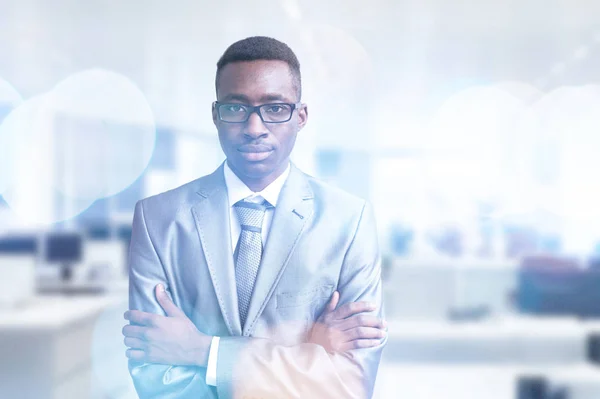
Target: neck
{"points": [[257, 184]]}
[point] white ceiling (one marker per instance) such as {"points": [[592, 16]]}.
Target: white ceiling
{"points": [[170, 48]]}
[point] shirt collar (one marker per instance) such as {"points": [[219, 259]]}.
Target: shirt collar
{"points": [[237, 189]]}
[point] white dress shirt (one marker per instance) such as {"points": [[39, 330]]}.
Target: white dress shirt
{"points": [[236, 191]]}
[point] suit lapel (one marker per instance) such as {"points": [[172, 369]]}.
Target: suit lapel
{"points": [[211, 215], [294, 208]]}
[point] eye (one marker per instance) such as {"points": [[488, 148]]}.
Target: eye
{"points": [[275, 109], [234, 108]]}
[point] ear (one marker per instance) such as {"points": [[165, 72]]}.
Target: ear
{"points": [[215, 117], [302, 116]]}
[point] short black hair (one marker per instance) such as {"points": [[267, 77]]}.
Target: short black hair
{"points": [[261, 48]]}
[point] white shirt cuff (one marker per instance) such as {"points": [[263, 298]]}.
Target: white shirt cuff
{"points": [[211, 369]]}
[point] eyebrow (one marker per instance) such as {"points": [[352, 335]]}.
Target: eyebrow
{"points": [[235, 97], [264, 99]]}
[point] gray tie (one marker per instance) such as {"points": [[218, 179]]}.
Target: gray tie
{"points": [[249, 251]]}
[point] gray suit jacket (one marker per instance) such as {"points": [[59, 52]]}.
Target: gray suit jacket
{"points": [[321, 239]]}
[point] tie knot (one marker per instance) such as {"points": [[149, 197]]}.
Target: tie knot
{"points": [[251, 214]]}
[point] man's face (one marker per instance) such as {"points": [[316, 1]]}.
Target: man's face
{"points": [[254, 149]]}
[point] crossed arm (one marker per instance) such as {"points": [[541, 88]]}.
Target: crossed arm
{"points": [[174, 339], [168, 354]]}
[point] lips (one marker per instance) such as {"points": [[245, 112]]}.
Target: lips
{"points": [[255, 153], [254, 148]]}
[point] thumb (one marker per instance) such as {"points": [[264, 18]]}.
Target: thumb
{"points": [[333, 302], [166, 303]]}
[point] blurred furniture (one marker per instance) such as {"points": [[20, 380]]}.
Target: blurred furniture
{"points": [[400, 237], [417, 381], [594, 262], [520, 240], [85, 267], [17, 267], [416, 292], [46, 347], [110, 372], [527, 341], [65, 250], [558, 286], [438, 288], [448, 240], [532, 387], [593, 349], [124, 233], [105, 260], [579, 381], [519, 340]]}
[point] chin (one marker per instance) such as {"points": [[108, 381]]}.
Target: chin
{"points": [[255, 170]]}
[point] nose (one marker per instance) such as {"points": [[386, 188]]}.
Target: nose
{"points": [[255, 128]]}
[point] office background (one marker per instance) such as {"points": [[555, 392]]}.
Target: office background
{"points": [[472, 127]]}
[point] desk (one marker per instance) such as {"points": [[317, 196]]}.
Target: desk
{"points": [[479, 382], [507, 340], [46, 346]]}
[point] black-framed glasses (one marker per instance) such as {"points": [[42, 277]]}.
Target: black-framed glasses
{"points": [[269, 113]]}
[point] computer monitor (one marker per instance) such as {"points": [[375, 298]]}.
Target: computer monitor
{"points": [[65, 249], [98, 232], [124, 233], [19, 245]]}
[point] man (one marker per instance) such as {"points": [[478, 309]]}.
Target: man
{"points": [[274, 277]]}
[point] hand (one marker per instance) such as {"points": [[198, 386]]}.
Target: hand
{"points": [[346, 328], [171, 340]]}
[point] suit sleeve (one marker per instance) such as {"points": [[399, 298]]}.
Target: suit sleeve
{"points": [[254, 367], [145, 271]]}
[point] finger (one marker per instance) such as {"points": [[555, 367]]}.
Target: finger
{"points": [[136, 354], [140, 318], [327, 312], [166, 303], [359, 344], [135, 332], [134, 343], [362, 320], [333, 302], [360, 333], [353, 308]]}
